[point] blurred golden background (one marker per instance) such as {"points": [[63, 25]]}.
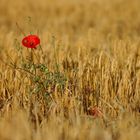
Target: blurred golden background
{"points": [[96, 43]]}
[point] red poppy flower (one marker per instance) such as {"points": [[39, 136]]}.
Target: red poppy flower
{"points": [[31, 41], [95, 111]]}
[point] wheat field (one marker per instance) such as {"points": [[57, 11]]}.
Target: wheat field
{"points": [[88, 58]]}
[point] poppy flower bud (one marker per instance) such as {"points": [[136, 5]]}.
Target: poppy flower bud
{"points": [[31, 41]]}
